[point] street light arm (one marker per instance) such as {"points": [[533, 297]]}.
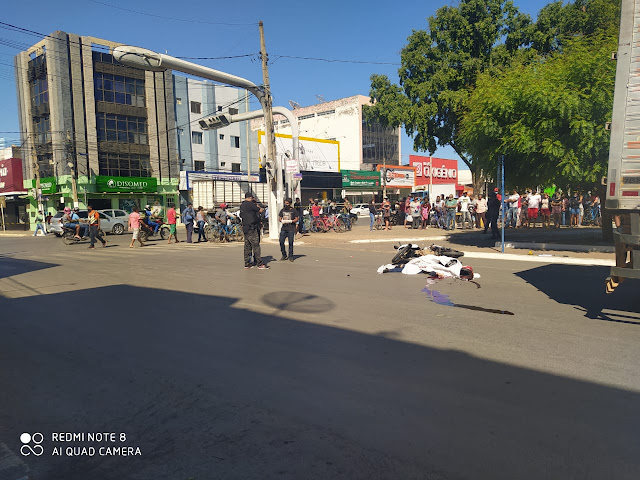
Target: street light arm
{"points": [[149, 60]]}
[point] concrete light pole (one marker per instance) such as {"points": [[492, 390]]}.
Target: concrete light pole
{"points": [[149, 60]]}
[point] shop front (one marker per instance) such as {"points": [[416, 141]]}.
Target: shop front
{"points": [[399, 180], [437, 176], [124, 193], [13, 202], [360, 186]]}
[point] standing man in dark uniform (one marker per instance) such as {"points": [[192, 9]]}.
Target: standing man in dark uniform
{"points": [[298, 207], [250, 215], [288, 216]]}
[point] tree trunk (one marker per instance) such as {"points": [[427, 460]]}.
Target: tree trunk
{"points": [[478, 181]]}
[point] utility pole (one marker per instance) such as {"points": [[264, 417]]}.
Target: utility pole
{"points": [[384, 177], [246, 103], [71, 164], [276, 199]]}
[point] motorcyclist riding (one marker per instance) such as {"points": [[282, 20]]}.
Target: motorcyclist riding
{"points": [[71, 220], [149, 219]]}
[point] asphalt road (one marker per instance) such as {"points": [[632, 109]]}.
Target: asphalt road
{"points": [[315, 369]]}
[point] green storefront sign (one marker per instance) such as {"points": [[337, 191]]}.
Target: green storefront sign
{"points": [[360, 179], [105, 183], [47, 185]]}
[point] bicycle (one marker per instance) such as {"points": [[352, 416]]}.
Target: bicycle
{"points": [[326, 223], [378, 224], [219, 233], [346, 220]]}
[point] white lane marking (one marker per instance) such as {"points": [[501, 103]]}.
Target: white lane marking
{"points": [[417, 239], [536, 259]]}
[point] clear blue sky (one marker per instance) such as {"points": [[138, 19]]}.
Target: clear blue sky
{"points": [[374, 31]]}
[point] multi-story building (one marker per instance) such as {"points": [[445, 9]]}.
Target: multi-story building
{"points": [[95, 127], [362, 146], [226, 159]]}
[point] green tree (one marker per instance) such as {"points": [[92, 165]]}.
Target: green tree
{"points": [[440, 67], [547, 117]]}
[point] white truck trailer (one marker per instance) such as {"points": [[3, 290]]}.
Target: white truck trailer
{"points": [[623, 178]]}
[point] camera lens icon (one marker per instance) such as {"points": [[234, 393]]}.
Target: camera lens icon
{"points": [[31, 444]]}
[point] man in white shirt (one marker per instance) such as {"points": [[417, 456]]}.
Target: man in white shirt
{"points": [[512, 212], [415, 212], [463, 202], [534, 206]]}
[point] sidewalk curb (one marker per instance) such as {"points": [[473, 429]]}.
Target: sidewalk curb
{"points": [[405, 240], [558, 247]]}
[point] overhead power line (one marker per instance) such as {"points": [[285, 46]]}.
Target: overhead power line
{"points": [[147, 14], [334, 60]]}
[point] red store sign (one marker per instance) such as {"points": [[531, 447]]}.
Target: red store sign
{"points": [[11, 176], [443, 170]]}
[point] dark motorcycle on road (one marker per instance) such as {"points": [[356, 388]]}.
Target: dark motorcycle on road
{"points": [[146, 230], [69, 235]]}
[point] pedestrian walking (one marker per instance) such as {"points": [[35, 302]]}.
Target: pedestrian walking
{"points": [[39, 224], [201, 221], [250, 215], [288, 216], [134, 226], [188, 217], [493, 211], [372, 214], [171, 220], [481, 212], [47, 221], [93, 217]]}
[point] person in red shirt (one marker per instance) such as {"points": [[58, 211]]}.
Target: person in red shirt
{"points": [[171, 220], [316, 209]]}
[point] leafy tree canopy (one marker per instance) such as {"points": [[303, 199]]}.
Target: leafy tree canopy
{"points": [[546, 117]]}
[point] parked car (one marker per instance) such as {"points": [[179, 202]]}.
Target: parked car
{"points": [[108, 224], [361, 209]]}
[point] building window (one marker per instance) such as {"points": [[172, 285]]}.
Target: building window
{"points": [[327, 112], [235, 142], [196, 137], [222, 136], [42, 127], [124, 164], [39, 91], [118, 89], [219, 109], [304, 117], [195, 107], [121, 128], [198, 165], [233, 111], [235, 167], [178, 100], [379, 143]]}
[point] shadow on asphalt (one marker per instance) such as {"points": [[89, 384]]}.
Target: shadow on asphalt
{"points": [[10, 266], [583, 236], [207, 390], [297, 302], [583, 286]]}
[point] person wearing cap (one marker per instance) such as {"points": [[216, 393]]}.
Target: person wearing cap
{"points": [[69, 222], [250, 215], [221, 214], [288, 216]]}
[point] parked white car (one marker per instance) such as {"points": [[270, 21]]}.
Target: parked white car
{"points": [[361, 209]]}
